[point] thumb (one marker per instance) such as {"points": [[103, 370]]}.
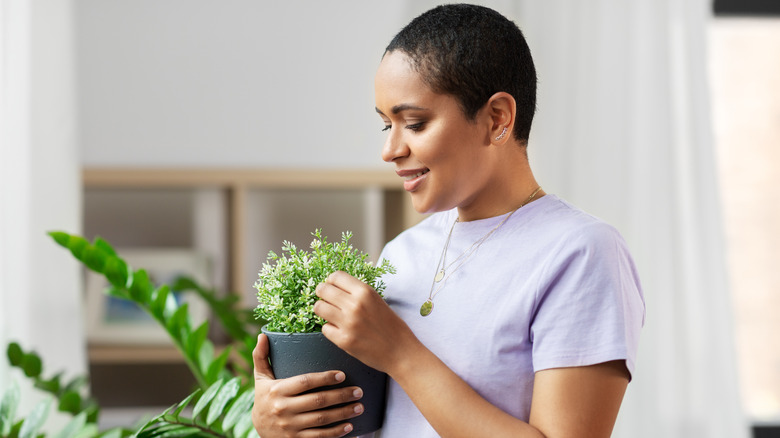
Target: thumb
{"points": [[260, 358]]}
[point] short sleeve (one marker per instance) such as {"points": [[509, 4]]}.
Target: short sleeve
{"points": [[589, 306]]}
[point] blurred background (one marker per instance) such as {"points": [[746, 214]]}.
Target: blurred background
{"points": [[196, 135]]}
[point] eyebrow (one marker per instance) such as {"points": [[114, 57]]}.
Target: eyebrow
{"points": [[402, 107]]}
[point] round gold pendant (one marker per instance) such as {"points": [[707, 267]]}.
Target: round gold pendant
{"points": [[439, 276], [426, 308]]}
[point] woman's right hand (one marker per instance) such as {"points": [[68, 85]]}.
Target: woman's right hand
{"points": [[282, 410]]}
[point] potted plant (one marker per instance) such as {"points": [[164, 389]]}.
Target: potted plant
{"points": [[285, 292]]}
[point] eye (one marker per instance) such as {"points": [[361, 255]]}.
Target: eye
{"points": [[416, 127], [386, 128]]}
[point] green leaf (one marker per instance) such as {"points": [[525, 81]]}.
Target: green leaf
{"points": [[62, 238], [70, 402], [118, 292], [94, 258], [197, 338], [90, 430], [158, 300], [183, 404], [205, 358], [76, 384], [240, 408], [178, 322], [111, 433], [225, 395], [206, 398], [243, 427], [218, 365], [141, 288], [176, 430], [51, 386], [104, 246], [116, 271], [74, 426], [184, 283], [92, 409], [15, 354], [35, 420], [8, 406], [170, 306], [77, 245], [32, 365]]}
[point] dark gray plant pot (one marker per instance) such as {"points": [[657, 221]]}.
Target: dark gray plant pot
{"points": [[292, 354]]}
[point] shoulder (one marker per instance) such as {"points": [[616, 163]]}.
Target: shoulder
{"points": [[563, 227]]}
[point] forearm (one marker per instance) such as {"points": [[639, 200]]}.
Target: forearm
{"points": [[449, 404]]}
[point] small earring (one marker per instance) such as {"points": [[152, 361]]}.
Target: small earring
{"points": [[500, 136]]}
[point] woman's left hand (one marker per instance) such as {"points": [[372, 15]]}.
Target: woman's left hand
{"points": [[360, 322]]}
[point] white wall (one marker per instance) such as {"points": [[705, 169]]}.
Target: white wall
{"points": [[231, 83], [40, 292]]}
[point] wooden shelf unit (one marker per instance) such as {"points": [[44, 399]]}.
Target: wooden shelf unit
{"points": [[236, 185]]}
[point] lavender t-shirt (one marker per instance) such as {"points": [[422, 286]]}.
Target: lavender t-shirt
{"points": [[552, 287]]}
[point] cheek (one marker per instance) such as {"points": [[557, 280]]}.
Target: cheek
{"points": [[435, 149]]}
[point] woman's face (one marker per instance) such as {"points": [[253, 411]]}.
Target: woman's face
{"points": [[441, 155]]}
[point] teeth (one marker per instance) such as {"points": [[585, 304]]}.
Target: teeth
{"points": [[419, 174]]}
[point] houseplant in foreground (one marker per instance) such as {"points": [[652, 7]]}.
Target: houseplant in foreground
{"points": [[285, 292], [219, 408]]}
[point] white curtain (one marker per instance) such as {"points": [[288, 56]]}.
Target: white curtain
{"points": [[40, 294], [624, 131]]}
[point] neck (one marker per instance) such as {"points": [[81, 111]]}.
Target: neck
{"points": [[509, 189]]}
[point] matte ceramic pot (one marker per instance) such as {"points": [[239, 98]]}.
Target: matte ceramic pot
{"points": [[292, 354]]}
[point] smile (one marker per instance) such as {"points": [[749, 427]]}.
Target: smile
{"points": [[416, 175], [413, 178]]}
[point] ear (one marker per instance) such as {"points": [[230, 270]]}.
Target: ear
{"points": [[501, 108]]}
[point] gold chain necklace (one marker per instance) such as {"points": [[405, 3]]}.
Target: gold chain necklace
{"points": [[443, 272]]}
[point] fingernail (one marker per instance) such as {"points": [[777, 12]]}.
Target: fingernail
{"points": [[359, 409], [348, 428], [357, 393], [340, 376]]}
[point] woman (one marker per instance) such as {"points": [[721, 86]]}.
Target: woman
{"points": [[513, 313]]}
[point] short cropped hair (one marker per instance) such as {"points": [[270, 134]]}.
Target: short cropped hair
{"points": [[472, 52]]}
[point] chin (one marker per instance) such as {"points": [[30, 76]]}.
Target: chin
{"points": [[424, 206]]}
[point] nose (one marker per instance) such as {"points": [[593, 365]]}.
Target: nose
{"points": [[395, 147]]}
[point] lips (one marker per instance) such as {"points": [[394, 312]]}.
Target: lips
{"points": [[413, 178]]}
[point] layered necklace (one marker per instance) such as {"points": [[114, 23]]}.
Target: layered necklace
{"points": [[444, 270]]}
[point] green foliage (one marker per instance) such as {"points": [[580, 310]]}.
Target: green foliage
{"points": [[223, 410], [286, 283], [68, 395], [233, 319], [8, 406], [35, 420], [223, 403], [82, 425], [158, 301]]}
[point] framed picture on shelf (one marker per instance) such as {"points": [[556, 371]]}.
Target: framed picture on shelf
{"points": [[113, 321]]}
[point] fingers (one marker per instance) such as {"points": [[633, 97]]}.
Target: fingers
{"points": [[321, 408], [316, 414], [295, 407], [306, 382], [345, 282], [260, 359], [324, 420], [341, 292]]}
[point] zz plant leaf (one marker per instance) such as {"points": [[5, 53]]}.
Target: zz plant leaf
{"points": [[8, 405], [35, 420], [223, 397]]}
